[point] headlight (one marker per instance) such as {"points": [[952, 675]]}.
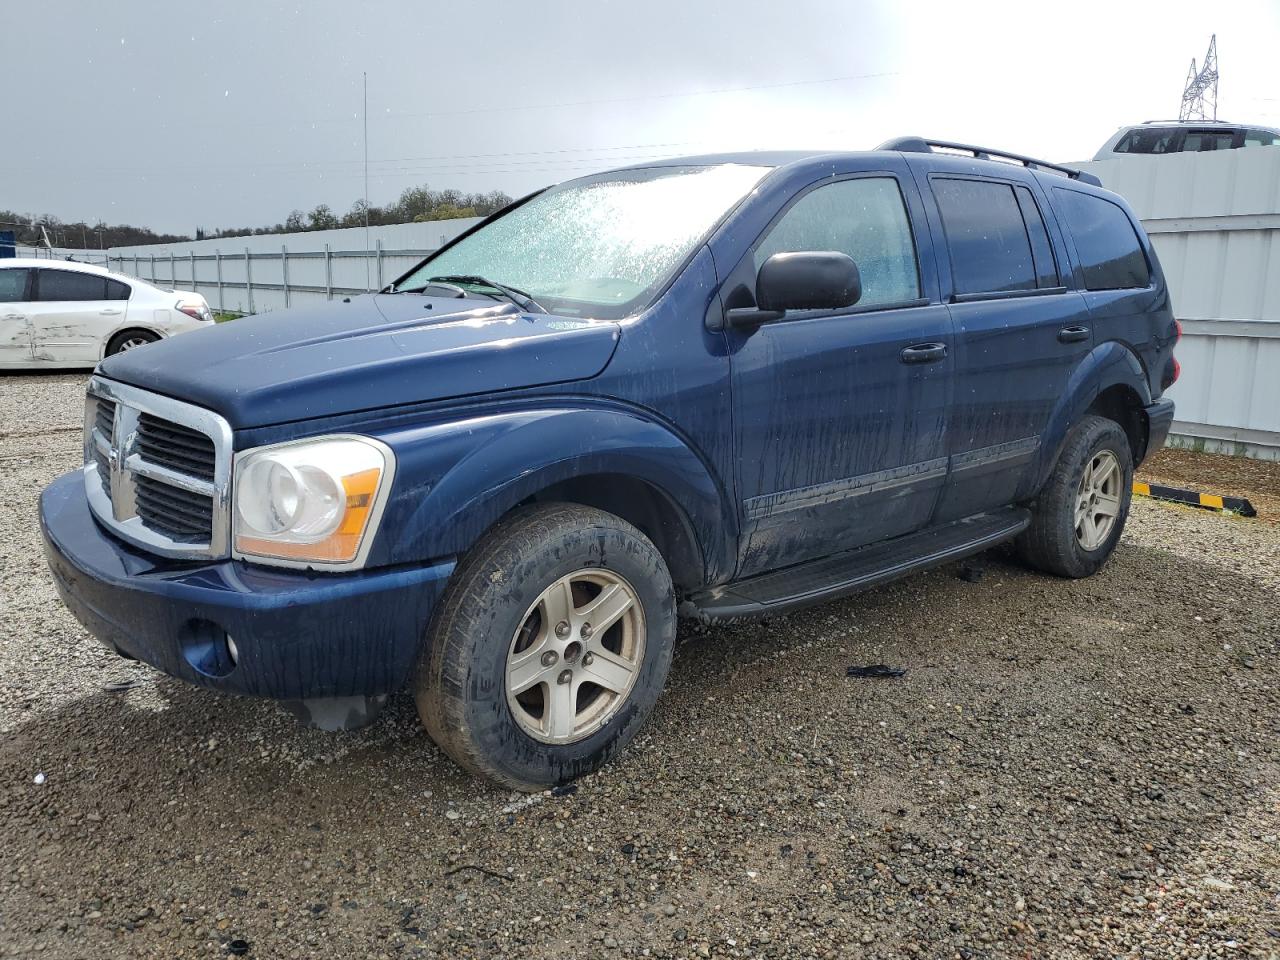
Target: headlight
{"points": [[312, 502]]}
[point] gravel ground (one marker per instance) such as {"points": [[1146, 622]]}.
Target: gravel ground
{"points": [[1068, 769]]}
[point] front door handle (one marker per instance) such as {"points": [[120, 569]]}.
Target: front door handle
{"points": [[109, 313], [14, 316], [1073, 334], [924, 353]]}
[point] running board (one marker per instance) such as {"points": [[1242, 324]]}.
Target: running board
{"points": [[844, 573]]}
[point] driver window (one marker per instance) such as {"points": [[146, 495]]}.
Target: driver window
{"points": [[865, 218]]}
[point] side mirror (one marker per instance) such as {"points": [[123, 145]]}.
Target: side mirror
{"points": [[804, 280]]}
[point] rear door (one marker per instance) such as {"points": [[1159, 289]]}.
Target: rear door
{"points": [[15, 315], [1019, 332], [73, 314]]}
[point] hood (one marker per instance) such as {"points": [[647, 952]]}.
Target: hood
{"points": [[373, 351]]}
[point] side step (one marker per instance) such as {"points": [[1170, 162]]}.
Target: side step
{"points": [[845, 573]]}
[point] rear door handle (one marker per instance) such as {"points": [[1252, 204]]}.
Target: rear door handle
{"points": [[14, 316], [924, 353], [109, 313], [1073, 334]]}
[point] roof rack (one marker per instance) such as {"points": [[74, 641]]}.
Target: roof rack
{"points": [[921, 145]]}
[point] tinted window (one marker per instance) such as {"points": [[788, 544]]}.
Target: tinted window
{"points": [[60, 285], [117, 290], [864, 218], [13, 286], [1207, 140], [1260, 138], [1041, 249], [990, 250], [1159, 140], [1106, 242]]}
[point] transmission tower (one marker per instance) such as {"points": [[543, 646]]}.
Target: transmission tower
{"points": [[1200, 96]]}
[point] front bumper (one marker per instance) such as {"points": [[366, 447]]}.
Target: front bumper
{"points": [[294, 635], [1159, 420]]}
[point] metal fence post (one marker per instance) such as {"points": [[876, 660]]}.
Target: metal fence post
{"points": [[194, 285], [284, 270], [152, 277], [379, 264], [248, 278], [328, 273], [217, 260], [173, 271]]}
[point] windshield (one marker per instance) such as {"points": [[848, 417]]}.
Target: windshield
{"points": [[598, 247]]}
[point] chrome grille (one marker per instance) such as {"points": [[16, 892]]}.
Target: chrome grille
{"points": [[157, 471]]}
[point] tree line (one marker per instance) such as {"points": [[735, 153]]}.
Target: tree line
{"points": [[415, 205]]}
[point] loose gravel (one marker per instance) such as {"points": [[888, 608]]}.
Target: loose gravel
{"points": [[1067, 769]]}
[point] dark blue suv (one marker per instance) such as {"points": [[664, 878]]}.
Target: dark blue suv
{"points": [[715, 386]]}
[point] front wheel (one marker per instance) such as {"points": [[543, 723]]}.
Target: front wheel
{"points": [[550, 646], [1079, 516]]}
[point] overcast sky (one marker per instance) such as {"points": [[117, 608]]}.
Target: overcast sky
{"points": [[176, 114]]}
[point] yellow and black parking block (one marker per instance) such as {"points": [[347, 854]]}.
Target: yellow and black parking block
{"points": [[1209, 501]]}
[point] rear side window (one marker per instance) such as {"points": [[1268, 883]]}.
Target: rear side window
{"points": [[1158, 140], [1198, 140], [987, 237], [864, 218], [13, 286], [117, 290], [66, 285], [1106, 242]]}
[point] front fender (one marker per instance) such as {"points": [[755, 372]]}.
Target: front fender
{"points": [[455, 480], [1106, 365]]}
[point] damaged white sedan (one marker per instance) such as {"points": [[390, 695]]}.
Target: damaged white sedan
{"points": [[63, 314]]}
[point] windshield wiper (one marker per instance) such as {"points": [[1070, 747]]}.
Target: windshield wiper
{"points": [[515, 295]]}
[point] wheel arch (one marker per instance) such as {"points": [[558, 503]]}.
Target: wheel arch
{"points": [[456, 480], [1110, 381]]}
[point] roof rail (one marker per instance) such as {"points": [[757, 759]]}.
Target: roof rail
{"points": [[921, 145]]}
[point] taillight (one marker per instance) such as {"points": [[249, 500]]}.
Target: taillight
{"points": [[1177, 331], [195, 309], [1177, 371]]}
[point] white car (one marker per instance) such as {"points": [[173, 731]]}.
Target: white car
{"points": [[1185, 136], [56, 313]]}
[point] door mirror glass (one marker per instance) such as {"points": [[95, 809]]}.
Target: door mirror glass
{"points": [[808, 280]]}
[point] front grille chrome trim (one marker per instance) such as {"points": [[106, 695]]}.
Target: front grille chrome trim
{"points": [[113, 498]]}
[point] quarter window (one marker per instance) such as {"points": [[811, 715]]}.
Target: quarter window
{"points": [[988, 239], [117, 290], [1108, 247], [67, 285], [1260, 138], [13, 286], [864, 218]]}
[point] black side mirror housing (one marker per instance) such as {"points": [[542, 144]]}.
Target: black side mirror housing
{"points": [[804, 280]]}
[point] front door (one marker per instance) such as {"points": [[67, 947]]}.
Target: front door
{"points": [[73, 314], [841, 415], [15, 319]]}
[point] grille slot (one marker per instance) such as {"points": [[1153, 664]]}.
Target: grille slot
{"points": [[177, 513], [179, 448], [104, 418]]}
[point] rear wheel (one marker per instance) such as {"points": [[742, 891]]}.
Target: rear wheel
{"points": [[550, 647], [1080, 514], [129, 340]]}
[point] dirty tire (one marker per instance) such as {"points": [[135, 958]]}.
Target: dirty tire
{"points": [[461, 677], [1050, 543], [117, 343]]}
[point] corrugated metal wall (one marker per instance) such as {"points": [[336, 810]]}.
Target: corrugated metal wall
{"points": [[1214, 219]]}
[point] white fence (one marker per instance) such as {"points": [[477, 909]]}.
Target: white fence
{"points": [[1214, 219], [261, 273]]}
